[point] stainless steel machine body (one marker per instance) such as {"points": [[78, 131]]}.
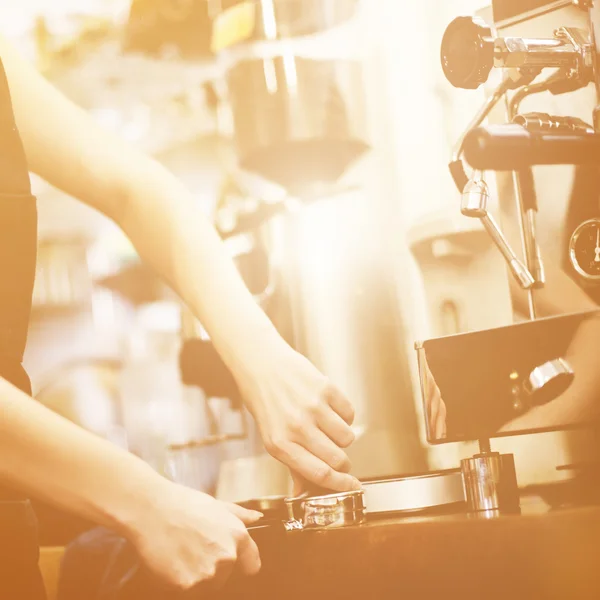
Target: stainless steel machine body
{"points": [[470, 51], [415, 493], [490, 484], [331, 510]]}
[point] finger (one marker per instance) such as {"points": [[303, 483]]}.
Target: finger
{"points": [[314, 470], [299, 485], [248, 556], [339, 403], [247, 517], [335, 428], [303, 487], [319, 444]]}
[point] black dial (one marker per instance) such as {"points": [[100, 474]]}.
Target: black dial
{"points": [[467, 52], [584, 250]]}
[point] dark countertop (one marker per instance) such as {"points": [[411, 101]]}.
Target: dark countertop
{"points": [[536, 556]]}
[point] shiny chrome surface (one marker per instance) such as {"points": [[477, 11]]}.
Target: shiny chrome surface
{"points": [[487, 384], [293, 525], [517, 268], [333, 510], [544, 123], [295, 507], [408, 494], [527, 215], [474, 199], [579, 235], [336, 510], [534, 252], [549, 380], [514, 52], [490, 483], [483, 113], [475, 195], [470, 52]]}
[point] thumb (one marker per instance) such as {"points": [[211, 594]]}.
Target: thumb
{"points": [[247, 517]]}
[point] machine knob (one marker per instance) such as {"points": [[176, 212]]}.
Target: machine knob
{"points": [[548, 381], [467, 52], [474, 199]]}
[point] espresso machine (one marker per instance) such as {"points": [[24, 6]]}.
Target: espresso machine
{"points": [[519, 379], [512, 380], [471, 532], [535, 376]]}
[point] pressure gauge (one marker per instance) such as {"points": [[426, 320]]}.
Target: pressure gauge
{"points": [[584, 250]]}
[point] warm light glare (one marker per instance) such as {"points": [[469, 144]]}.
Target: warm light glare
{"points": [[269, 22], [270, 75], [291, 75]]}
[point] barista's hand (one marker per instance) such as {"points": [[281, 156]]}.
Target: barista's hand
{"points": [[187, 538], [304, 420]]}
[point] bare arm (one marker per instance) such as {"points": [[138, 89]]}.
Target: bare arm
{"points": [[46, 455], [184, 536], [304, 420], [160, 216]]}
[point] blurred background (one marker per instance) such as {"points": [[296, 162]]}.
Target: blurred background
{"points": [[316, 135]]}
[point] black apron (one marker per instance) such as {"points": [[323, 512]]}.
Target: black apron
{"points": [[19, 574]]}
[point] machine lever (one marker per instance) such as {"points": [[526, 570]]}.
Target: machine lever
{"points": [[512, 147], [474, 204]]}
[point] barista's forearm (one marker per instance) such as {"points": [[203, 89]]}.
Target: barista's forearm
{"points": [[173, 235], [54, 460], [160, 216]]}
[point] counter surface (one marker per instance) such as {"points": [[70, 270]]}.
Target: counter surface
{"points": [[536, 556]]}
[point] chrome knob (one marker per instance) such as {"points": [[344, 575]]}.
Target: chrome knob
{"points": [[548, 381]]}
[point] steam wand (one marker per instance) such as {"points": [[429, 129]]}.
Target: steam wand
{"points": [[524, 185], [474, 190]]}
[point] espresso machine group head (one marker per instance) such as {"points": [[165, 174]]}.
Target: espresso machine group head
{"points": [[470, 51], [482, 385]]}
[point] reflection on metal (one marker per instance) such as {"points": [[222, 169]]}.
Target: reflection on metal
{"points": [[548, 381], [475, 192], [329, 511], [544, 383], [470, 52], [474, 385], [490, 484], [584, 250], [433, 403], [414, 493]]}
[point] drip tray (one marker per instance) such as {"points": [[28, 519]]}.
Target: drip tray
{"points": [[432, 491]]}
